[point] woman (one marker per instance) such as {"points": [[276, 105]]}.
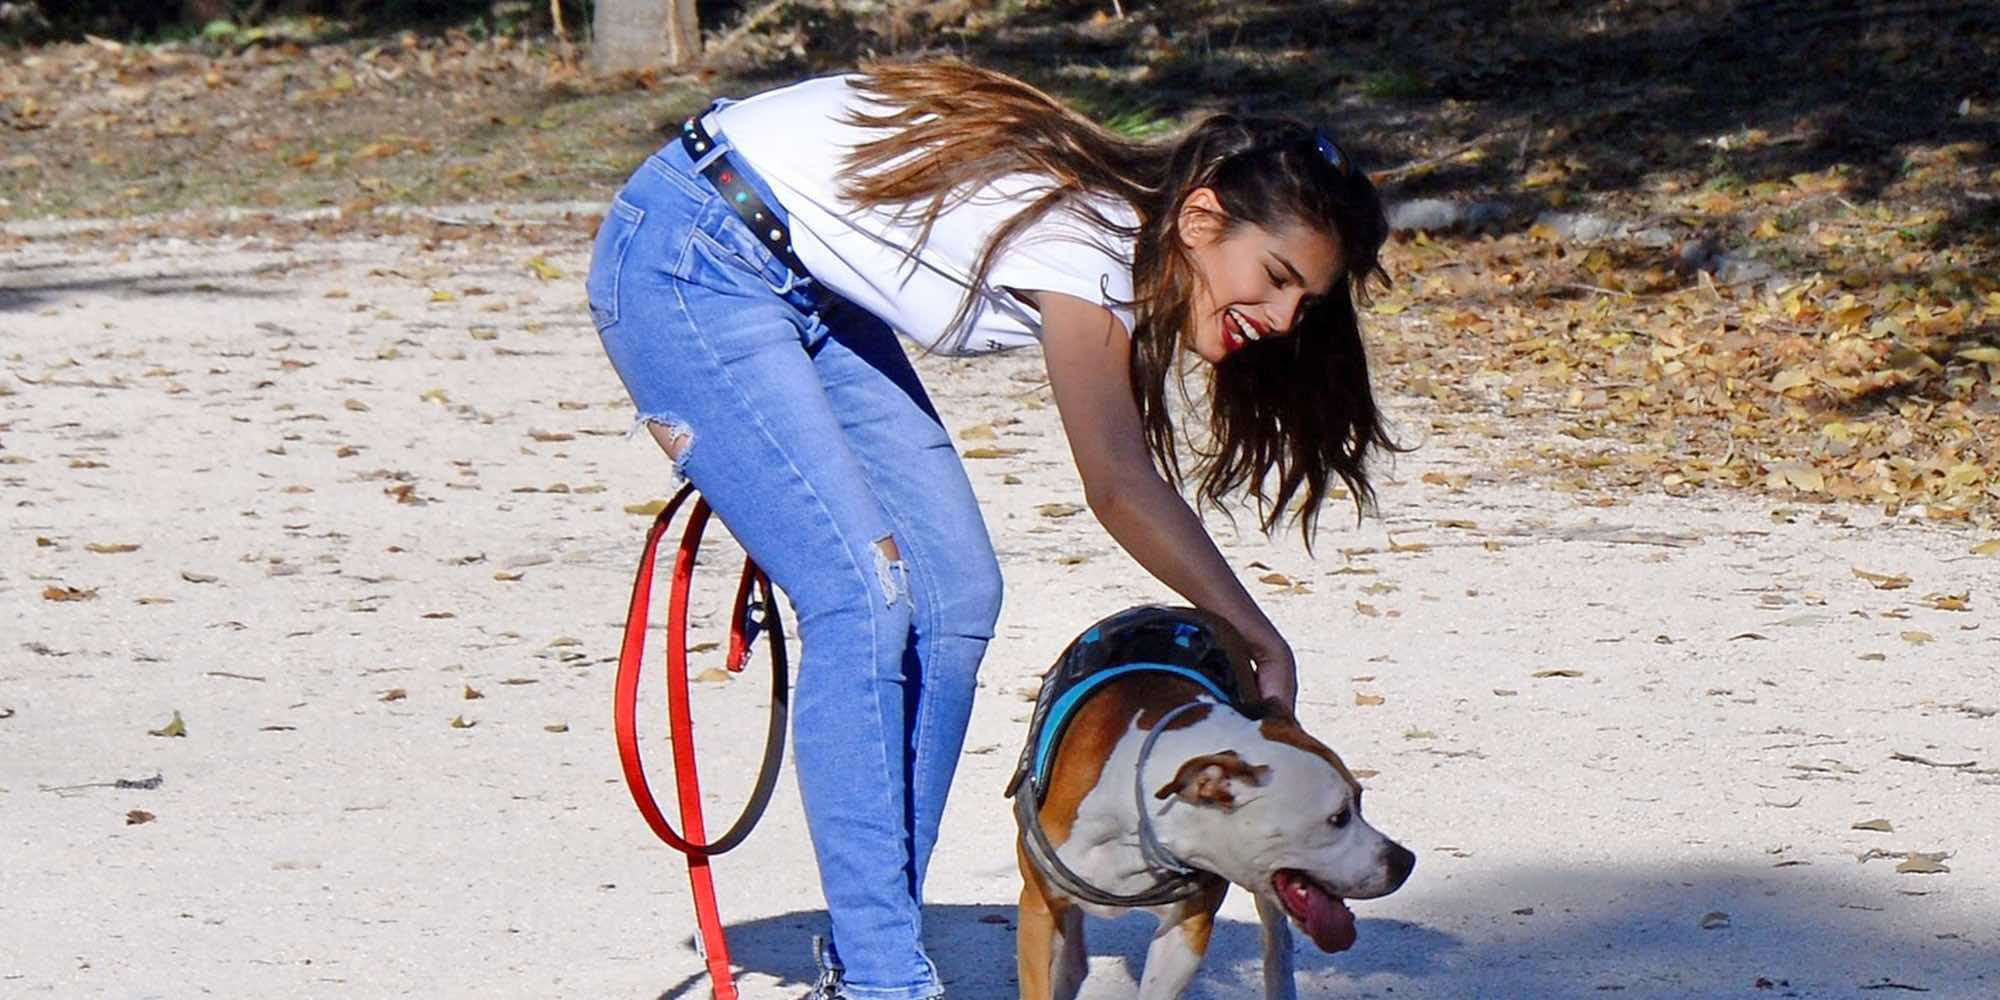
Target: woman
{"points": [[749, 283]]}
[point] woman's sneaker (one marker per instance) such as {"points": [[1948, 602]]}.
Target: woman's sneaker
{"points": [[827, 986]]}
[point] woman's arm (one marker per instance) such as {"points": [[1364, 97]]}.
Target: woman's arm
{"points": [[1088, 354]]}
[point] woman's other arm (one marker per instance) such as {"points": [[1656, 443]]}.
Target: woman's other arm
{"points": [[1088, 353]]}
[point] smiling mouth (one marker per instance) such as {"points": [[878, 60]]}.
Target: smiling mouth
{"points": [[1238, 330], [1321, 914]]}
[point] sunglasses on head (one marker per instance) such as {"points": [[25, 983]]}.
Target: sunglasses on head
{"points": [[1332, 153]]}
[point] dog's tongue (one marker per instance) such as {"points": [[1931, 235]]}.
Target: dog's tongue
{"points": [[1328, 920]]}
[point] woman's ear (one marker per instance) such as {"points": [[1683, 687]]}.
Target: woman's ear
{"points": [[1202, 220]]}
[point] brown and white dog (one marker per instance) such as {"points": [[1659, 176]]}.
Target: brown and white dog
{"points": [[1253, 801]]}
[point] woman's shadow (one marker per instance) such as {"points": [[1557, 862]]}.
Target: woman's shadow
{"points": [[973, 947]]}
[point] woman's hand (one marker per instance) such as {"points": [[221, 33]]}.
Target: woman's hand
{"points": [[1277, 671]]}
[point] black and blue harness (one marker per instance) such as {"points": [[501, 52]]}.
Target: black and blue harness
{"points": [[1147, 639]]}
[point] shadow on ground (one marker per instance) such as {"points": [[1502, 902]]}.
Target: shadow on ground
{"points": [[1800, 931]]}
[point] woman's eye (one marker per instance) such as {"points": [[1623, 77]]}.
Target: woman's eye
{"points": [[1277, 280]]}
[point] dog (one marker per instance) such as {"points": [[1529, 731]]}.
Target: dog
{"points": [[1231, 794]]}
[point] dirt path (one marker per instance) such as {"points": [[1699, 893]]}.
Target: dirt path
{"points": [[379, 486]]}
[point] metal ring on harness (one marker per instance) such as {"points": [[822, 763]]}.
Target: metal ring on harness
{"points": [[681, 724]]}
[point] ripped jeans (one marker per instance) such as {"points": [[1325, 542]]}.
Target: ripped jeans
{"points": [[812, 439]]}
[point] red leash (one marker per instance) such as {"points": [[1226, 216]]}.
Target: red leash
{"points": [[625, 707]]}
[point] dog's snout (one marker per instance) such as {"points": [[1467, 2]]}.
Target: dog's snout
{"points": [[1399, 861]]}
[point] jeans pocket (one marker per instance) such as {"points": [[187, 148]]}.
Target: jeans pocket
{"points": [[607, 260]]}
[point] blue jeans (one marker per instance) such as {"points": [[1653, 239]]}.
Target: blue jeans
{"points": [[812, 439]]}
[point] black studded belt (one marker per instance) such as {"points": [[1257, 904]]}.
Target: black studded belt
{"points": [[726, 174]]}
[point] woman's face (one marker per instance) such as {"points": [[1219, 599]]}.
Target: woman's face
{"points": [[1251, 283]]}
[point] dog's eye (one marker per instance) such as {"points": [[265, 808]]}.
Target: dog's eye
{"points": [[1340, 818]]}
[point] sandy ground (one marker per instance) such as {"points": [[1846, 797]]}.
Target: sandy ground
{"points": [[357, 501]]}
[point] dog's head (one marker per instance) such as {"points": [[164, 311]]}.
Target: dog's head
{"points": [[1288, 826]]}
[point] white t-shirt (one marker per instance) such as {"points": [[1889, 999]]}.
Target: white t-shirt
{"points": [[797, 138]]}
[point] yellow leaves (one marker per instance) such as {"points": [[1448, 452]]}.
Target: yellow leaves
{"points": [[1797, 475], [1368, 699], [992, 451], [1987, 548], [174, 727], [1058, 510], [1917, 638], [650, 508], [1983, 355], [544, 270], [112, 548], [55, 592]]}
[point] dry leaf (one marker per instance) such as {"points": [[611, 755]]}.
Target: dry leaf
{"points": [[1877, 825], [545, 270], [113, 548], [1275, 579], [394, 694], [459, 722], [1505, 692], [472, 693], [1367, 699], [1058, 509], [559, 727], [713, 675], [1918, 638], [174, 727], [1923, 863], [56, 593], [1558, 672], [992, 451], [1714, 920], [137, 816], [193, 577], [650, 508], [1991, 548], [1366, 609], [1884, 581], [507, 576], [356, 405], [1950, 602]]}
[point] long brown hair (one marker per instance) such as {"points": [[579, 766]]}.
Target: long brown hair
{"points": [[1298, 406]]}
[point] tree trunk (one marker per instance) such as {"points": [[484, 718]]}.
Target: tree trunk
{"points": [[641, 34]]}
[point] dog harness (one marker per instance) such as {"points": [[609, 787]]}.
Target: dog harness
{"points": [[1149, 639]]}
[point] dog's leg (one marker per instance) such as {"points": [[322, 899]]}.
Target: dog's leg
{"points": [[1278, 978], [1180, 943], [1072, 959], [1035, 933]]}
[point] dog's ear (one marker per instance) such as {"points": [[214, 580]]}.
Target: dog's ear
{"points": [[1212, 780]]}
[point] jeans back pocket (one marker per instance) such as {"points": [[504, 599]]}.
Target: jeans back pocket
{"points": [[607, 260]]}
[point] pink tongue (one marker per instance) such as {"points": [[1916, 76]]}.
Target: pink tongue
{"points": [[1329, 921]]}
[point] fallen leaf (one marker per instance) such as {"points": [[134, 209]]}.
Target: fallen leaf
{"points": [[545, 270], [713, 675], [649, 509], [1991, 548], [992, 451], [394, 694], [109, 549], [1714, 920], [1877, 825], [138, 816], [1918, 638], [56, 593], [1362, 772], [1950, 602], [1367, 699], [559, 727], [1366, 609], [174, 727], [1924, 863], [472, 693], [1505, 692], [1058, 509], [1275, 579], [193, 577], [507, 576], [459, 722], [1558, 672], [1884, 581]]}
